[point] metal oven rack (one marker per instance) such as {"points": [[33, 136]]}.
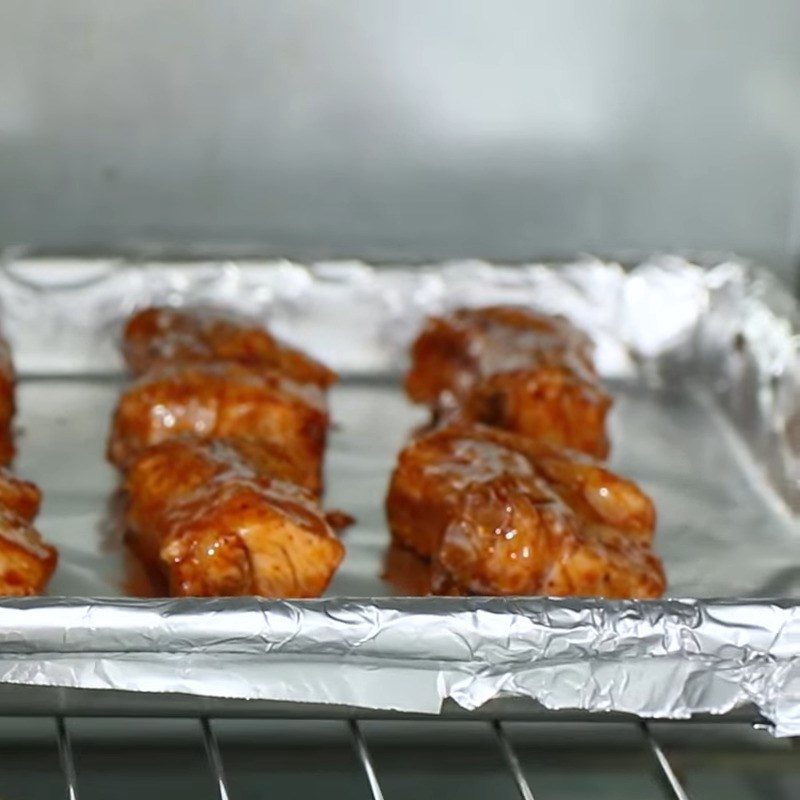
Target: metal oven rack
{"points": [[465, 756]]}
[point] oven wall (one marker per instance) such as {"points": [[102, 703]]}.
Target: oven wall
{"points": [[506, 129]]}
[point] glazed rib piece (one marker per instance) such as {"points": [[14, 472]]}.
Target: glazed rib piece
{"points": [[218, 400], [453, 351], [155, 336], [215, 526], [549, 403], [222, 438], [501, 514], [18, 496], [26, 561], [514, 369]]}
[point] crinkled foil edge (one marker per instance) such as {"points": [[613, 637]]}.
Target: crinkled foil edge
{"points": [[668, 659]]}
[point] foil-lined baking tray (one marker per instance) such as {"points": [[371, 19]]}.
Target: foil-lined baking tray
{"points": [[704, 365]]}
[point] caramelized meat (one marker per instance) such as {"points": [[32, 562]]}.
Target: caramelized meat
{"points": [[157, 336], [18, 496], [274, 460], [501, 514], [550, 403], [453, 351], [175, 468], [514, 369], [215, 526], [26, 562], [221, 400]]}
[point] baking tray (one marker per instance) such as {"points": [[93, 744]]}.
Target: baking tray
{"points": [[702, 362]]}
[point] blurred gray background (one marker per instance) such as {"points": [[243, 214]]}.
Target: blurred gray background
{"points": [[506, 129]]}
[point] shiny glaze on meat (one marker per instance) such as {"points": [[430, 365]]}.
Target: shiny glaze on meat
{"points": [[501, 514], [452, 351], [21, 497], [215, 526], [26, 561], [514, 369], [549, 403], [274, 460], [219, 400], [156, 336]]}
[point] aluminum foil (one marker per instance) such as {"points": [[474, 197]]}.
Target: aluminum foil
{"points": [[668, 659], [705, 366]]}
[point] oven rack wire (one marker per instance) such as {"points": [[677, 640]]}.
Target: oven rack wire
{"points": [[667, 774]]}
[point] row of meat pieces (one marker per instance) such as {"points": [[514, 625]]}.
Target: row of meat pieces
{"points": [[502, 494], [26, 560], [221, 438], [220, 442]]}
